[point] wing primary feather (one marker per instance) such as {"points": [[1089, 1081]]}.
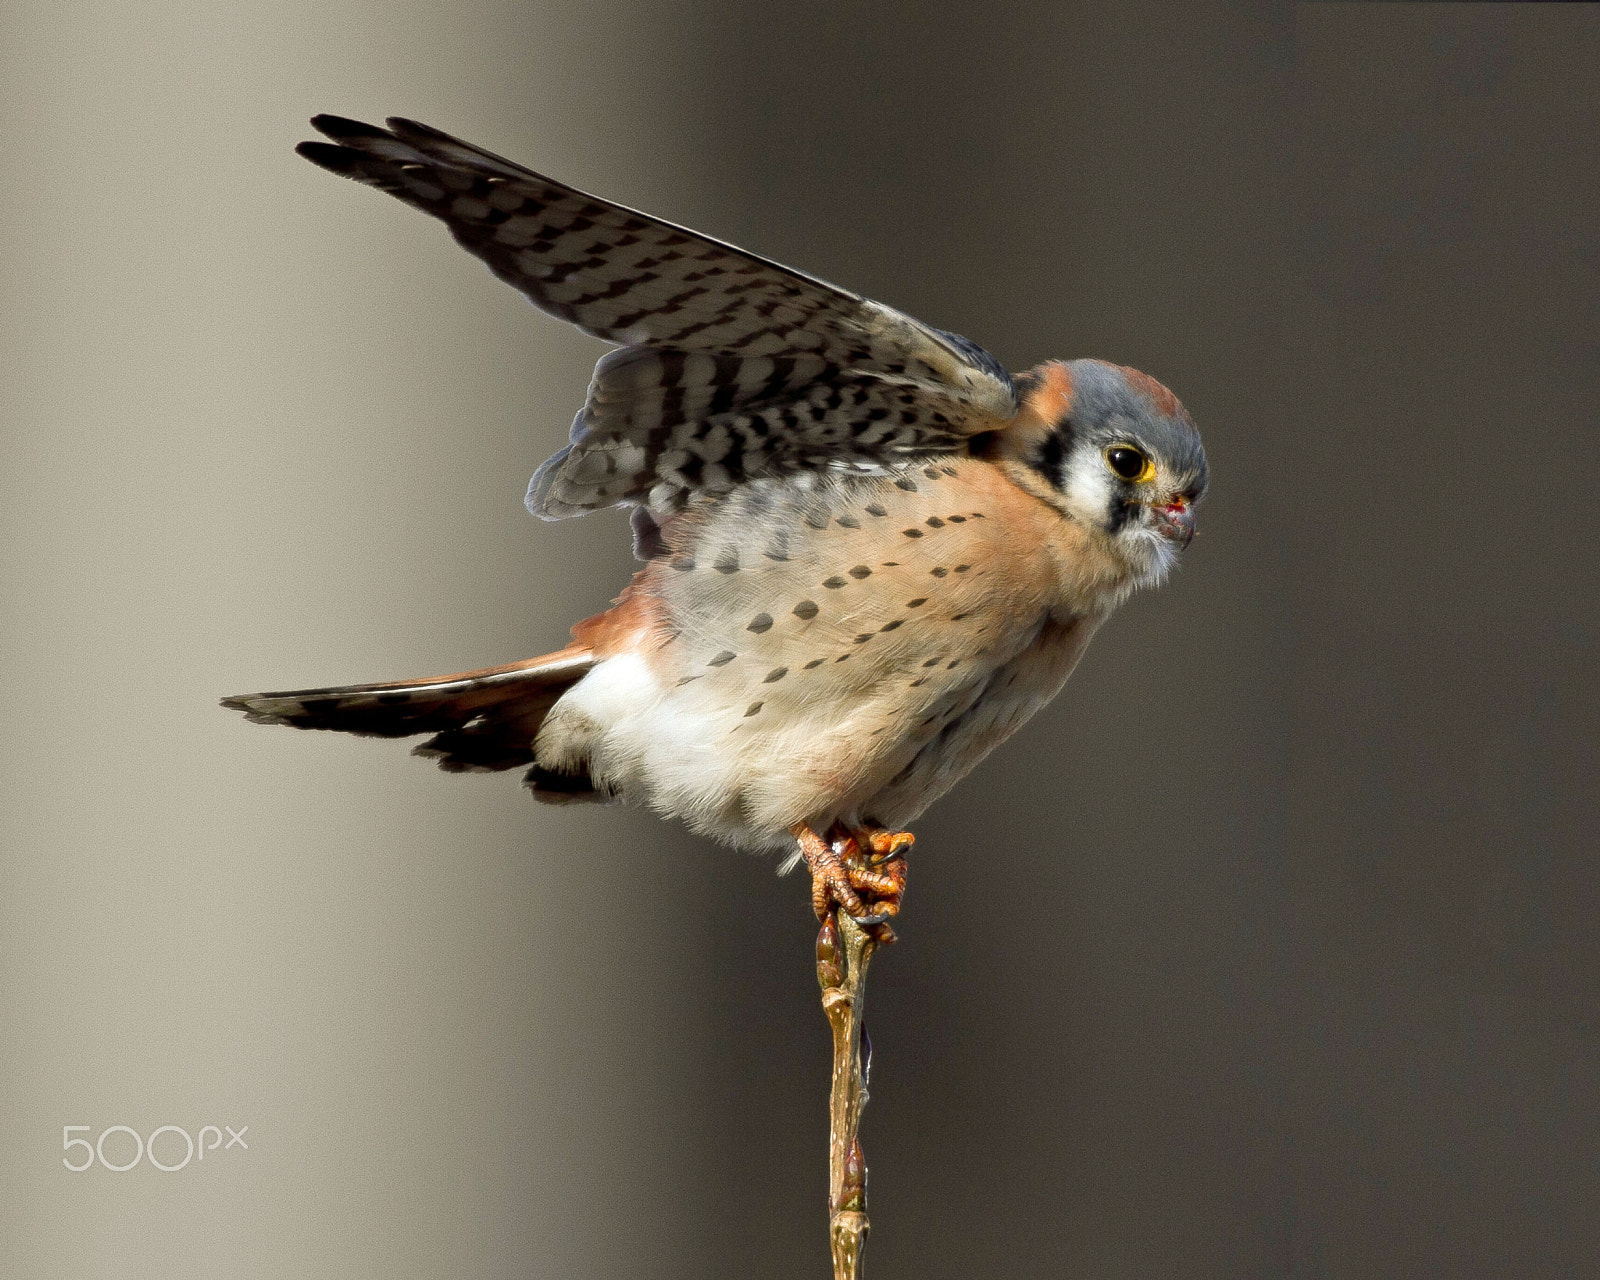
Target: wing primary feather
{"points": [[734, 366]]}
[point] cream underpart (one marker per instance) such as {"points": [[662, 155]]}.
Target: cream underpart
{"points": [[845, 699]]}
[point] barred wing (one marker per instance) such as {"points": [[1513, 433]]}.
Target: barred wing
{"points": [[733, 365]]}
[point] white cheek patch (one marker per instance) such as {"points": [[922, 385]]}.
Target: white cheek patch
{"points": [[1086, 486]]}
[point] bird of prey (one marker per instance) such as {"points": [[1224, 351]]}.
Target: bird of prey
{"points": [[870, 553]]}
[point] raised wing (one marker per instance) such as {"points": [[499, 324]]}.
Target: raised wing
{"points": [[733, 366]]}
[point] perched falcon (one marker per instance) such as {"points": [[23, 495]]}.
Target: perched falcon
{"points": [[870, 552]]}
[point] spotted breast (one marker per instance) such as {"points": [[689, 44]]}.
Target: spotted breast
{"points": [[824, 649]]}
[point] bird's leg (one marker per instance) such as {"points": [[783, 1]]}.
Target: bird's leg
{"points": [[830, 882], [880, 867], [884, 844], [850, 863], [875, 866]]}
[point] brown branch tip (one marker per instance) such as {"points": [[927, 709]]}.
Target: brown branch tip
{"points": [[843, 951]]}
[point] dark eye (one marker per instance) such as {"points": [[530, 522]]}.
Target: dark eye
{"points": [[1128, 462]]}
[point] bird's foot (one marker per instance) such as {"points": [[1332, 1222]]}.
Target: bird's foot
{"points": [[881, 845], [863, 871], [874, 861]]}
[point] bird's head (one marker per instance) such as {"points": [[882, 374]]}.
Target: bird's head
{"points": [[1112, 450]]}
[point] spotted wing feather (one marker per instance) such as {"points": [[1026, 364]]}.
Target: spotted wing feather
{"points": [[733, 366], [657, 445]]}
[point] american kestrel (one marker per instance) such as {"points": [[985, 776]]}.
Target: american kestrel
{"points": [[870, 552]]}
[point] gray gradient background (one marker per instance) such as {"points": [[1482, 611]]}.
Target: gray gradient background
{"points": [[1269, 950]]}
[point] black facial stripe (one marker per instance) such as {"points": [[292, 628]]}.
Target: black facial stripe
{"points": [[1052, 450], [1121, 511]]}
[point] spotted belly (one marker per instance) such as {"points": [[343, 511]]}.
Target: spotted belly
{"points": [[829, 648]]}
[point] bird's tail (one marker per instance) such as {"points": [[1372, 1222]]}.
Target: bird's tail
{"points": [[480, 720]]}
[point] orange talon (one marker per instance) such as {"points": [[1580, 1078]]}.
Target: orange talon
{"points": [[830, 882], [851, 865], [885, 844], [848, 861], [880, 884]]}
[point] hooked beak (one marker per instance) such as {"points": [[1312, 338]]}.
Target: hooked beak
{"points": [[1174, 520]]}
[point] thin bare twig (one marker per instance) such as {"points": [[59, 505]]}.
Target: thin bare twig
{"points": [[843, 951]]}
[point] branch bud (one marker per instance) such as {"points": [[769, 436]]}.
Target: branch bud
{"points": [[830, 966], [853, 1195]]}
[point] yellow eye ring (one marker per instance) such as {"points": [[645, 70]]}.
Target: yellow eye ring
{"points": [[1130, 464]]}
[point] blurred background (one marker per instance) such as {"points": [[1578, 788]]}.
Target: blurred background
{"points": [[1268, 950]]}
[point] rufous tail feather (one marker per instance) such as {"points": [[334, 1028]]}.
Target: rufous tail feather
{"points": [[480, 720]]}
